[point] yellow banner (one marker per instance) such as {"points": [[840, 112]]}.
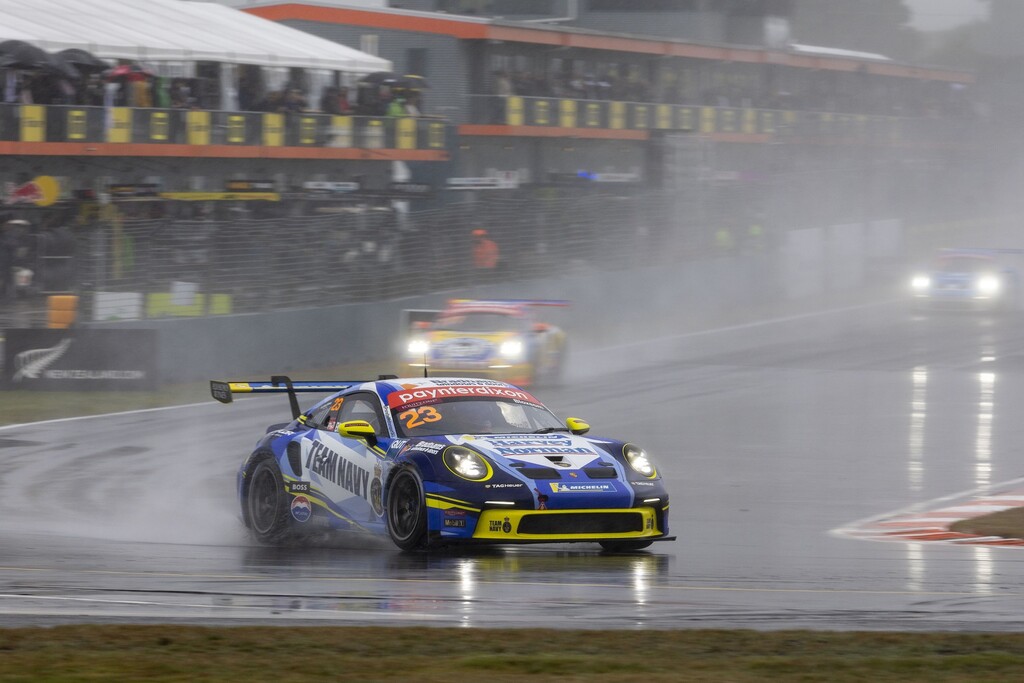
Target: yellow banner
{"points": [[33, 123], [159, 126], [236, 130], [767, 122], [685, 118], [374, 134], [77, 124], [640, 116], [617, 115], [435, 135], [707, 119], [307, 130], [567, 113], [198, 123], [541, 112], [749, 121], [728, 121], [119, 125], [663, 116], [341, 131], [514, 111], [273, 130], [405, 133], [592, 115]]}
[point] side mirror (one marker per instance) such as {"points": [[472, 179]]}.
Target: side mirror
{"points": [[358, 429], [576, 425]]}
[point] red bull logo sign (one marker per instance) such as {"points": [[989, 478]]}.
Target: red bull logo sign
{"points": [[42, 190]]}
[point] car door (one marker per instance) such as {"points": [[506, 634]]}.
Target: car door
{"points": [[346, 469]]}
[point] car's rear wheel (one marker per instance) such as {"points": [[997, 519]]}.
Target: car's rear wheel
{"points": [[407, 510], [624, 546], [266, 501]]}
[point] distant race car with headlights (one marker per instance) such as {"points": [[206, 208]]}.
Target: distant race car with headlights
{"points": [[443, 461], [497, 339], [970, 278]]}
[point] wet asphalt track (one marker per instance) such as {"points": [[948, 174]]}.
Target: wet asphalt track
{"points": [[132, 517]]}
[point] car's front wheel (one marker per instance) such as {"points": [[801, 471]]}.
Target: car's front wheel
{"points": [[407, 510], [266, 501], [624, 546]]}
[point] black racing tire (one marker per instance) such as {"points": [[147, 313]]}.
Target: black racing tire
{"points": [[624, 546], [407, 510], [266, 503]]}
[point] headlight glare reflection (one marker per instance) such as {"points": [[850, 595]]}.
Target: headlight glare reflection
{"points": [[512, 348], [639, 461], [466, 463]]}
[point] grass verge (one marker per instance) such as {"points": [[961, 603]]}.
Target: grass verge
{"points": [[1007, 524], [194, 653]]}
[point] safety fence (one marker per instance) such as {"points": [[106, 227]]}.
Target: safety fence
{"points": [[168, 267]]}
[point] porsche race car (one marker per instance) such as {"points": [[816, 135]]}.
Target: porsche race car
{"points": [[985, 279], [497, 339], [443, 461]]}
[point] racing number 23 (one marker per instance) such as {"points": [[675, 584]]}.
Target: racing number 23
{"points": [[417, 417]]}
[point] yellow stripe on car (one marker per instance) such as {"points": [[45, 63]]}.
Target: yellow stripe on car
{"points": [[498, 524]]}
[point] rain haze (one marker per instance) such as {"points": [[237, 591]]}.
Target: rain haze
{"points": [[769, 253]]}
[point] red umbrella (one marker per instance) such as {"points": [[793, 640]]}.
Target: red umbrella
{"points": [[131, 72]]}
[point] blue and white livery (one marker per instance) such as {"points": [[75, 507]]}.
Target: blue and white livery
{"points": [[442, 461]]}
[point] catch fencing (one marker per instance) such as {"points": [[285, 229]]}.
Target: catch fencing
{"points": [[248, 263]]}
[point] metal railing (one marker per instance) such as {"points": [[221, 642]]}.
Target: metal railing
{"points": [[122, 125], [768, 124]]}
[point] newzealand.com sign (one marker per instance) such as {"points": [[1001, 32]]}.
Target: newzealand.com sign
{"points": [[80, 360]]}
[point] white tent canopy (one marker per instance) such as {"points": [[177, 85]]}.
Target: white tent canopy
{"points": [[151, 31]]}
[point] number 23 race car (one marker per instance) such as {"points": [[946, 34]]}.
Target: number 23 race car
{"points": [[443, 461]]}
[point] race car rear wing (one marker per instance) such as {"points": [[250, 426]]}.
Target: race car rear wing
{"points": [[280, 384], [508, 302]]}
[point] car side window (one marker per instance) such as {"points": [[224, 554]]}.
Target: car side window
{"points": [[362, 407], [318, 417]]}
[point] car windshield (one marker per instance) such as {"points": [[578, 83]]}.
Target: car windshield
{"points": [[966, 264], [473, 416], [479, 322]]}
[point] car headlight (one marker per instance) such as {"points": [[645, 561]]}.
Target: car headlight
{"points": [[920, 283], [466, 463], [418, 346], [511, 349], [988, 284], [639, 461]]}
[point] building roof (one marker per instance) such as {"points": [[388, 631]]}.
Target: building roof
{"points": [[174, 31]]}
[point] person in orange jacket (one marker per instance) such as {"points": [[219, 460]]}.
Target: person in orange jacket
{"points": [[485, 253]]}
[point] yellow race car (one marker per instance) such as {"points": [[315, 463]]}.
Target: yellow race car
{"points": [[496, 338]]}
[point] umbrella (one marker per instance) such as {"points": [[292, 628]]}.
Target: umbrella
{"points": [[84, 61], [414, 82], [18, 54], [381, 78], [131, 72]]}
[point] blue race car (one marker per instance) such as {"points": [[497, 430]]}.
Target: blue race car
{"points": [[969, 278], [442, 461]]}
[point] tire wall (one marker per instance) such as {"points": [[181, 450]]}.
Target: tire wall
{"points": [[809, 269]]}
